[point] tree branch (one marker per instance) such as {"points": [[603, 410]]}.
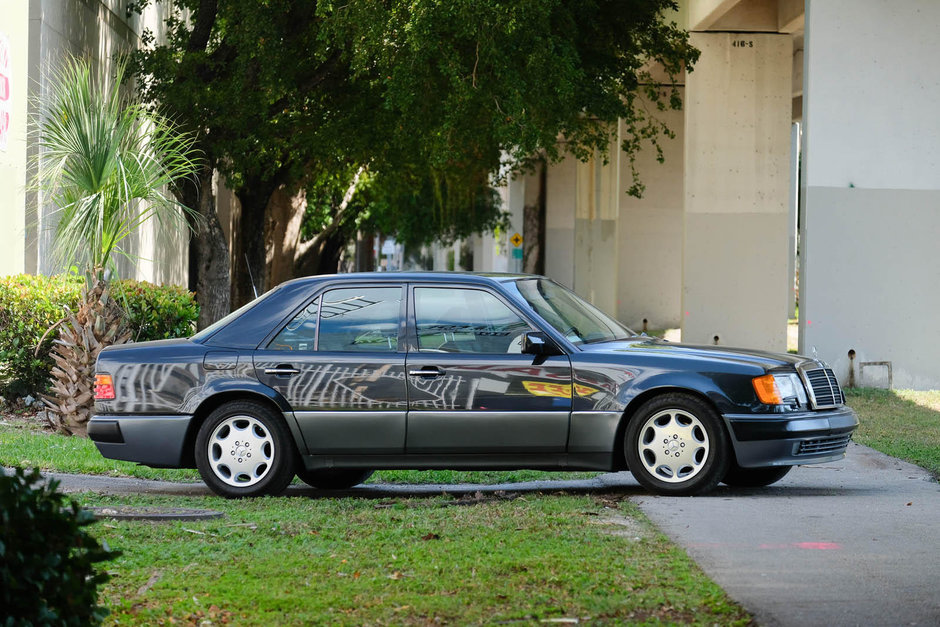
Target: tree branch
{"points": [[304, 249], [202, 29]]}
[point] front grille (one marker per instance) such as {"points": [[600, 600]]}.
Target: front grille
{"points": [[824, 388], [819, 446]]}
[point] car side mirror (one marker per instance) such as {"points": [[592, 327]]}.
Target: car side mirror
{"points": [[537, 343]]}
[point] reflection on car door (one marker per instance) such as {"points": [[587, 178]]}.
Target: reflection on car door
{"points": [[339, 364], [470, 388]]}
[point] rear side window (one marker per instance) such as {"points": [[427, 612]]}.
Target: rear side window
{"points": [[300, 334], [356, 319]]}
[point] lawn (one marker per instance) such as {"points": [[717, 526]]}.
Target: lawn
{"points": [[901, 423], [411, 561]]}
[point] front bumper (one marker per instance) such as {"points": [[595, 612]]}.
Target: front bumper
{"points": [[156, 441], [809, 437]]}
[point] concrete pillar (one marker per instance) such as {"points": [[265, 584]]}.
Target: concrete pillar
{"points": [[737, 164], [650, 233], [596, 231], [871, 187], [560, 182], [14, 40]]}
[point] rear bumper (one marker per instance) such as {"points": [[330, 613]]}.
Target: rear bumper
{"points": [[790, 439], [156, 441]]}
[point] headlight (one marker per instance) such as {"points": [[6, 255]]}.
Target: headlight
{"points": [[780, 389]]}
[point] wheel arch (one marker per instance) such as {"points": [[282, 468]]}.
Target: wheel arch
{"points": [[213, 402], [629, 412]]}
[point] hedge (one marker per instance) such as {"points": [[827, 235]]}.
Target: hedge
{"points": [[30, 305]]}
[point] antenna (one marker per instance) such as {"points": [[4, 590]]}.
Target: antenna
{"points": [[250, 277]]}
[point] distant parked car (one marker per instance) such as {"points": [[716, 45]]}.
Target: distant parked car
{"points": [[331, 377]]}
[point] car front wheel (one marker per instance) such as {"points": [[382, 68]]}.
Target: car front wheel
{"points": [[334, 478], [244, 449], [754, 477], [675, 445]]}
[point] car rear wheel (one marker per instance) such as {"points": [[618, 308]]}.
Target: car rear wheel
{"points": [[676, 445], [754, 477], [244, 449], [334, 478]]}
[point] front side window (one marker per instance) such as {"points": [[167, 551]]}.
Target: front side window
{"points": [[466, 321]]}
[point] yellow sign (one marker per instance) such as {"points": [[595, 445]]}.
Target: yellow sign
{"points": [[516, 240]]}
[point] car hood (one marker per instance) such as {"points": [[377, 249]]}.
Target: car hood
{"points": [[763, 359]]}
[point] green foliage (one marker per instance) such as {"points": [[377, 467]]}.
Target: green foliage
{"points": [[106, 161], [30, 305], [157, 312], [435, 98], [47, 558]]}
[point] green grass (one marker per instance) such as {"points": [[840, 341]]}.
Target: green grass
{"points": [[901, 423], [26, 444], [411, 561]]}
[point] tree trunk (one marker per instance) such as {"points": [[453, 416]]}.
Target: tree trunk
{"points": [[323, 260], [209, 257], [285, 215], [533, 227], [248, 244]]}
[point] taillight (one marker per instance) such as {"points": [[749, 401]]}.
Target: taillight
{"points": [[104, 387]]}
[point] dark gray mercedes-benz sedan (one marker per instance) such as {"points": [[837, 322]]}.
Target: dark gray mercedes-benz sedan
{"points": [[331, 377]]}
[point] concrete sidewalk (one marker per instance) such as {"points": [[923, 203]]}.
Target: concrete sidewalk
{"points": [[849, 543]]}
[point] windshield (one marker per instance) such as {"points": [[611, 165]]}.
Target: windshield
{"points": [[579, 321]]}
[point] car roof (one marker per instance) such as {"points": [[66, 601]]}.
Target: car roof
{"points": [[459, 277]]}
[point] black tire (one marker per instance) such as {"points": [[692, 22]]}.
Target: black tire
{"points": [[334, 478], [676, 445], [754, 477], [244, 449]]}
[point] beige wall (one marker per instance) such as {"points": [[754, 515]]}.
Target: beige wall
{"points": [[14, 33], [560, 199], [737, 164], [871, 188], [596, 231], [650, 234]]}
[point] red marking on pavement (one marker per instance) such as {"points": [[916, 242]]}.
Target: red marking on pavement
{"points": [[816, 546]]}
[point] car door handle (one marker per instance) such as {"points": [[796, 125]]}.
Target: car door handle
{"points": [[282, 369], [427, 371]]}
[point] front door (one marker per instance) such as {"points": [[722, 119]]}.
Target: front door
{"points": [[471, 390], [339, 364]]}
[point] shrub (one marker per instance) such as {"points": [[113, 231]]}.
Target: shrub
{"points": [[47, 558], [29, 305], [157, 312]]}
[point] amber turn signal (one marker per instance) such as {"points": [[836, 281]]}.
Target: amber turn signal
{"points": [[766, 388], [104, 387]]}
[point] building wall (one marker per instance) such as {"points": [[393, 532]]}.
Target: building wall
{"points": [[14, 38], [871, 189], [649, 282], [737, 165]]}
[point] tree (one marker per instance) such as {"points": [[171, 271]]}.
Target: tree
{"points": [[431, 99], [106, 163]]}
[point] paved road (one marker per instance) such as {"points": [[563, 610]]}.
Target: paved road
{"points": [[850, 543]]}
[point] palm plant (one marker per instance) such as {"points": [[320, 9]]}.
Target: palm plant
{"points": [[108, 164]]}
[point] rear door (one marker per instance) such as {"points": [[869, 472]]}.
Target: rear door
{"points": [[340, 363], [471, 390]]}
